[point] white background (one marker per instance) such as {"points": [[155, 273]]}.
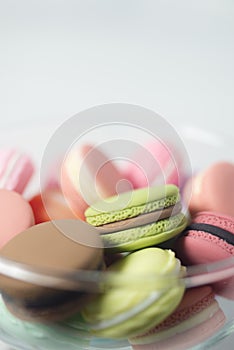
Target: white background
{"points": [[58, 57]]}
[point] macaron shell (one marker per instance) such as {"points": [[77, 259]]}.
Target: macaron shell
{"points": [[16, 169], [194, 300], [22, 174], [125, 311], [211, 190], [98, 178], [145, 319], [16, 215], [199, 247], [189, 338], [197, 317], [132, 203], [72, 196], [108, 177], [145, 236], [152, 163], [62, 245], [217, 219], [50, 205]]}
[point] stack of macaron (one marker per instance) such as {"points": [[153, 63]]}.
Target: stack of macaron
{"points": [[90, 217], [60, 242], [139, 218]]}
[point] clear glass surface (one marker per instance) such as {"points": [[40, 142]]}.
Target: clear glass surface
{"points": [[213, 146]]}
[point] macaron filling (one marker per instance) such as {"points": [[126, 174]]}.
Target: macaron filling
{"points": [[158, 231], [213, 230], [141, 220]]}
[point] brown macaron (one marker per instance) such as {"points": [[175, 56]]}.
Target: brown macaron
{"points": [[64, 247]]}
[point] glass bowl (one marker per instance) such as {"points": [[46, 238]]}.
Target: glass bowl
{"points": [[24, 335]]}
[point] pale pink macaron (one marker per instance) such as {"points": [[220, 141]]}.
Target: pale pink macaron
{"points": [[209, 238], [212, 189], [88, 175], [52, 176], [16, 169], [197, 318], [153, 163], [16, 215]]}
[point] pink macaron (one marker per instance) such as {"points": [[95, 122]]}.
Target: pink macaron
{"points": [[154, 163], [211, 190], [16, 215], [209, 238], [16, 169], [88, 175], [197, 318]]}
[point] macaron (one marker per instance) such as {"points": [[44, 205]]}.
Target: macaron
{"points": [[154, 163], [50, 205], [88, 175], [211, 190], [128, 308], [16, 169], [209, 238], [61, 246], [138, 218], [51, 178], [16, 215], [197, 318]]}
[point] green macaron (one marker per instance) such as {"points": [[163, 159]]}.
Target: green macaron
{"points": [[147, 287], [138, 219]]}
